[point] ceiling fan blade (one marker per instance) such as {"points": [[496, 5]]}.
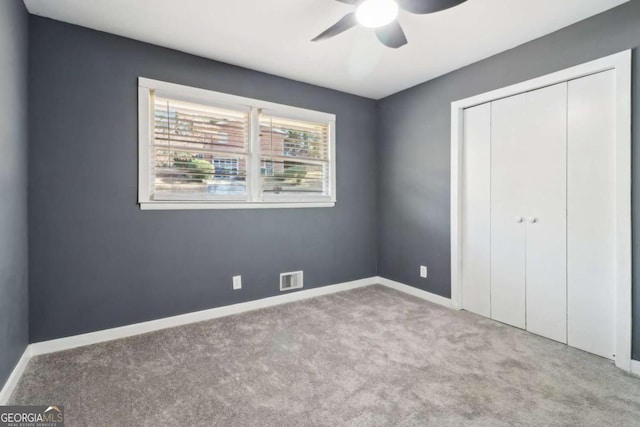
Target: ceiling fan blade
{"points": [[348, 21], [391, 35], [422, 7]]}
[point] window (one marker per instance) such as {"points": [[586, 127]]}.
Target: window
{"points": [[190, 151], [200, 149], [295, 155]]}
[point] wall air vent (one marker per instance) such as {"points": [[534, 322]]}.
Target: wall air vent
{"points": [[291, 280]]}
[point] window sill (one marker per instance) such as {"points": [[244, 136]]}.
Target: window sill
{"points": [[231, 205]]}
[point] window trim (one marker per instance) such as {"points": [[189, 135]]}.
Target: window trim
{"points": [[207, 97]]}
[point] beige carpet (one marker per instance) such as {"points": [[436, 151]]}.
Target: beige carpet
{"points": [[367, 357]]}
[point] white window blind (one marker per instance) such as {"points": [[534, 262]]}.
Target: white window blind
{"points": [[295, 157], [200, 149], [199, 152]]}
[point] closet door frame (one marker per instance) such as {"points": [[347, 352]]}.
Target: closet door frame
{"points": [[621, 63]]}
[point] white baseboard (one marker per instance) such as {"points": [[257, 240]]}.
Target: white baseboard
{"points": [[67, 343], [427, 296], [74, 341], [13, 379]]}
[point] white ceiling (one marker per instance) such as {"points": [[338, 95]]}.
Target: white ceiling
{"points": [[273, 35]]}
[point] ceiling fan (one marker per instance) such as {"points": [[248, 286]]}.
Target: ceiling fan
{"points": [[381, 16]]}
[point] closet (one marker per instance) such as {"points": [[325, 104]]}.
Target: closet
{"points": [[538, 220]]}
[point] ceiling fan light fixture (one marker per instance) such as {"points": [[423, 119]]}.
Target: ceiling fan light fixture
{"points": [[376, 13]]}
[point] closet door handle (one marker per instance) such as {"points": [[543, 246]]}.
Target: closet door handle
{"points": [[518, 219], [533, 220]]}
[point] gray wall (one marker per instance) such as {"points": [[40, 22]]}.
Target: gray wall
{"points": [[414, 144], [97, 261], [14, 329]]}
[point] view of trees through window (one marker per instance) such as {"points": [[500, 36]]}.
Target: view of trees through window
{"points": [[297, 153], [202, 151], [199, 149]]}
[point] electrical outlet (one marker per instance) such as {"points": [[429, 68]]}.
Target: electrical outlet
{"points": [[237, 282], [423, 271]]}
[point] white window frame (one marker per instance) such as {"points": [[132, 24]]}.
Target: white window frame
{"points": [[253, 200]]}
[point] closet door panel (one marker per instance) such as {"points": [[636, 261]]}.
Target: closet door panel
{"points": [[508, 120], [546, 212], [591, 214], [476, 208]]}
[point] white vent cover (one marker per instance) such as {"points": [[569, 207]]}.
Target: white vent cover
{"points": [[291, 280]]}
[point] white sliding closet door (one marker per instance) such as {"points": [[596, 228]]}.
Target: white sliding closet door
{"points": [[508, 180], [546, 211], [476, 202], [592, 214]]}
